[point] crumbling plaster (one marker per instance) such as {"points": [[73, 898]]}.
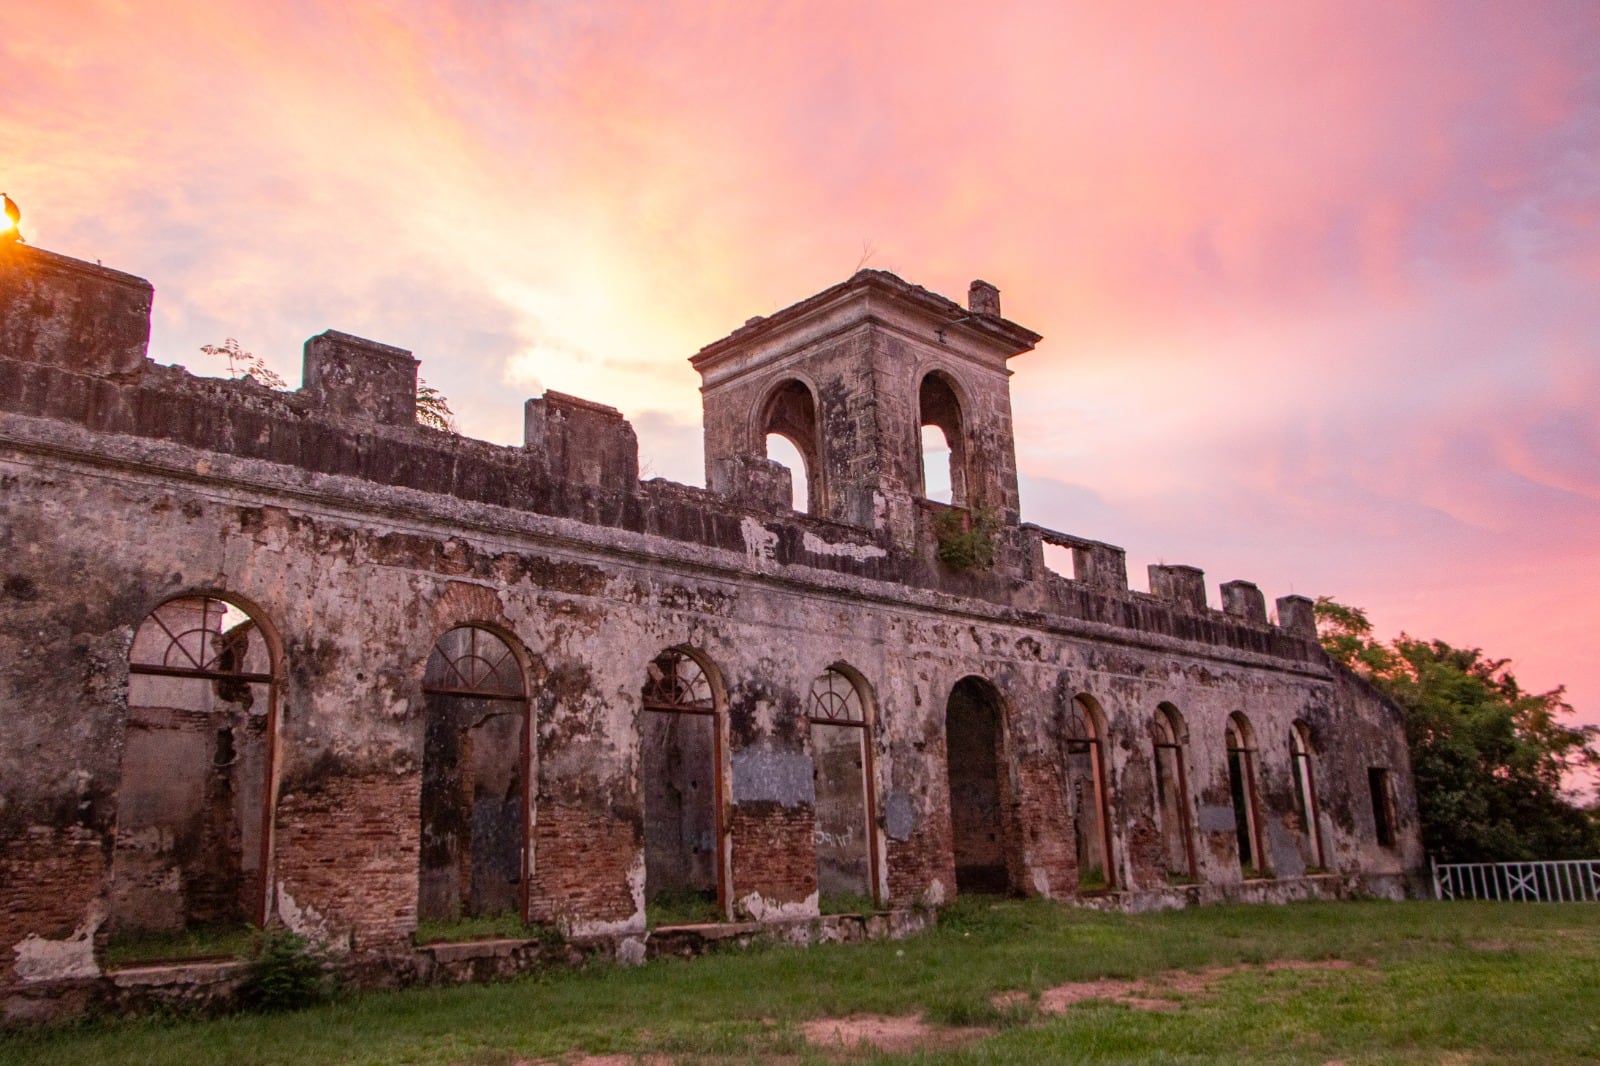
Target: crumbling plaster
{"points": [[355, 539]]}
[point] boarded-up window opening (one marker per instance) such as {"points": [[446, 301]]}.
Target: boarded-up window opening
{"points": [[841, 753], [1242, 788], [680, 764], [475, 756], [1172, 792], [1305, 791], [193, 838], [1086, 785]]}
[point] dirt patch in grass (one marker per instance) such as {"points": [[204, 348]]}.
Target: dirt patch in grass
{"points": [[875, 1032], [1161, 993], [599, 1060]]}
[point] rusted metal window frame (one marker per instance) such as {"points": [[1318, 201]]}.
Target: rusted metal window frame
{"points": [[1239, 726], [1165, 721], [1301, 756], [468, 688], [201, 671], [526, 769], [673, 703], [868, 770], [1093, 745]]}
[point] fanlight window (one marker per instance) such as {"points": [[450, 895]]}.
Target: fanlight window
{"points": [[469, 661], [675, 682], [1080, 735], [835, 699], [198, 636]]}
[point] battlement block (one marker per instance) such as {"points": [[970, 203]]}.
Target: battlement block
{"points": [[582, 442], [66, 313], [361, 379]]}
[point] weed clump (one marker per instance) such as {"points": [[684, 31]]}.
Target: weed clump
{"points": [[285, 972], [966, 539]]}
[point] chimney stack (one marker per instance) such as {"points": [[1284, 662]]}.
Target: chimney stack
{"points": [[983, 299]]}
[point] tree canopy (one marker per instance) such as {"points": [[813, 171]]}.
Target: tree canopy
{"points": [[1488, 757]]}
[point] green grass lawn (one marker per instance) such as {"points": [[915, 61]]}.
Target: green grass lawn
{"points": [[1457, 982]]}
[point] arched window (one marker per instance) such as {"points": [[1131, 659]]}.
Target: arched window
{"points": [[194, 825], [788, 431], [680, 766], [974, 756], [1241, 741], [841, 753], [1171, 738], [475, 757], [1305, 791], [1086, 785], [944, 469]]}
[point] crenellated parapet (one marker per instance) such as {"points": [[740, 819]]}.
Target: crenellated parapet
{"points": [[859, 366]]}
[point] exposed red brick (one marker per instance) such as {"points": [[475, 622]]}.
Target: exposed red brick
{"points": [[347, 852], [48, 881], [774, 852], [581, 861]]}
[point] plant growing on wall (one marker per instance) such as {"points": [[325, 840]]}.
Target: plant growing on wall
{"points": [[433, 410], [243, 364], [966, 539], [285, 972]]}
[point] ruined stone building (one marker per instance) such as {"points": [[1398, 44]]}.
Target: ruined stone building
{"points": [[290, 657]]}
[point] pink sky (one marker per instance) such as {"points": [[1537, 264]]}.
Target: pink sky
{"points": [[1320, 288]]}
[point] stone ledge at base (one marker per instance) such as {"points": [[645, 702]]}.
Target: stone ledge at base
{"points": [[211, 988], [1309, 887]]}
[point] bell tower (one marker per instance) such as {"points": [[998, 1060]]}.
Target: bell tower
{"points": [[851, 376]]}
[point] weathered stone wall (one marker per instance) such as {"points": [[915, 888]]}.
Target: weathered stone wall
{"points": [[355, 542]]}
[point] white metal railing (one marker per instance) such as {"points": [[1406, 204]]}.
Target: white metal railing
{"points": [[1561, 881]]}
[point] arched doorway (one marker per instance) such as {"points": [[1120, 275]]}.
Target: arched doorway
{"points": [[1171, 740], [841, 753], [680, 775], [474, 779], [194, 827], [1305, 791], [1241, 743], [974, 755], [1086, 785]]}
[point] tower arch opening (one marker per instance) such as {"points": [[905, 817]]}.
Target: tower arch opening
{"points": [[942, 443], [788, 430]]}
